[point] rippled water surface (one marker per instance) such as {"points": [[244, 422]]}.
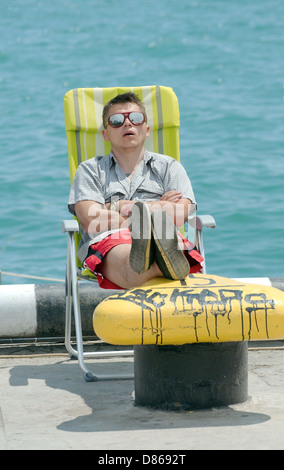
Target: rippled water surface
{"points": [[224, 60]]}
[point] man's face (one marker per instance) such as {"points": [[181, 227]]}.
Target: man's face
{"points": [[128, 136]]}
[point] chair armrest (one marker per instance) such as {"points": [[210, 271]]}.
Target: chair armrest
{"points": [[205, 221], [70, 226], [200, 221]]}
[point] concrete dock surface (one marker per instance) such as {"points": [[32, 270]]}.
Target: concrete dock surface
{"points": [[46, 404]]}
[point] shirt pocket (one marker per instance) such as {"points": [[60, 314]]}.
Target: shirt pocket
{"points": [[110, 195], [113, 189], [153, 191]]}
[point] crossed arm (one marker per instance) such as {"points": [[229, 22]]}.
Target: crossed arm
{"points": [[95, 218]]}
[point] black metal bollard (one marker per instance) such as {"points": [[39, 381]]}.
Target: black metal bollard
{"points": [[191, 376]]}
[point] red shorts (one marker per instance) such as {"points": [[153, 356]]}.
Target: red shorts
{"points": [[97, 252]]}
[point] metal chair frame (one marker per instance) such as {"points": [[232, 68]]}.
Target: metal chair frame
{"points": [[72, 298]]}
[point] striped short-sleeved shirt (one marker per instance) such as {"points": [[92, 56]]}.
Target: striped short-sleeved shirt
{"points": [[100, 179]]}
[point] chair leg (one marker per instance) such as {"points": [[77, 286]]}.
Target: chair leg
{"points": [[71, 289], [72, 298], [200, 245]]}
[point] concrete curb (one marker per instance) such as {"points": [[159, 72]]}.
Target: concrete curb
{"points": [[277, 282], [38, 310]]}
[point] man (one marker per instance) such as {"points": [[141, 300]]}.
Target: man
{"points": [[129, 203]]}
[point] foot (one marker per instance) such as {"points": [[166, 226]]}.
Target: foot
{"points": [[142, 251], [169, 258]]}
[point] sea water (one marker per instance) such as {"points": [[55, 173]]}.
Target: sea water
{"points": [[225, 62]]}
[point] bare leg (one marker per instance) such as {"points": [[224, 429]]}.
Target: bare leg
{"points": [[116, 268]]}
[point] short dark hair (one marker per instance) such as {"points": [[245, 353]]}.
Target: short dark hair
{"points": [[128, 97]]}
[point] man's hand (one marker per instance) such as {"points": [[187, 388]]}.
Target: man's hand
{"points": [[175, 205], [171, 196]]}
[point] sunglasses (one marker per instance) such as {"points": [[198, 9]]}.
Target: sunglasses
{"points": [[117, 120]]}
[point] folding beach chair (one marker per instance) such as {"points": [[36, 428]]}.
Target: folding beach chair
{"points": [[83, 124]]}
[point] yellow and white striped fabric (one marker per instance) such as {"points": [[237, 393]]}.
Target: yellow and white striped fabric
{"points": [[83, 121]]}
